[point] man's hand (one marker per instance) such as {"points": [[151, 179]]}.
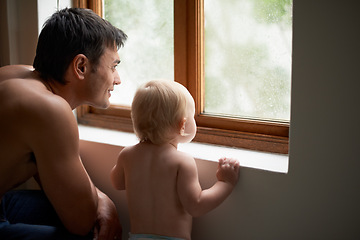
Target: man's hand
{"points": [[107, 225]]}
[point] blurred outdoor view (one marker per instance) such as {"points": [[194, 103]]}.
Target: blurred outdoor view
{"points": [[148, 53], [248, 58], [247, 53]]}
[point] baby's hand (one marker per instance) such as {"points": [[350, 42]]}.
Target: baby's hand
{"points": [[228, 170]]}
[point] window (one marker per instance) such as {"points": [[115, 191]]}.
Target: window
{"points": [[206, 61], [248, 58], [149, 51]]}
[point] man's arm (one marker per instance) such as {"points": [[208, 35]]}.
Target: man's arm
{"points": [[108, 225], [53, 137], [197, 201]]}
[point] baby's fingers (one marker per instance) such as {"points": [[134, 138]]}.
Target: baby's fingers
{"points": [[222, 161], [235, 163]]}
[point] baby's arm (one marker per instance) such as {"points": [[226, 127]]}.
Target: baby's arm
{"points": [[117, 174], [197, 201]]}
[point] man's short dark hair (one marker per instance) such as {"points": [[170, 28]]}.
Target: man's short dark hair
{"points": [[69, 32]]}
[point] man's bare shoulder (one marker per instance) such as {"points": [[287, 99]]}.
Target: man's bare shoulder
{"points": [[15, 71], [29, 94], [27, 102], [20, 84]]}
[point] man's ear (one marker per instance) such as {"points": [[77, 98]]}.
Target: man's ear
{"points": [[80, 65], [182, 126]]}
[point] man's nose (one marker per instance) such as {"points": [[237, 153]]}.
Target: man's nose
{"points": [[117, 80]]}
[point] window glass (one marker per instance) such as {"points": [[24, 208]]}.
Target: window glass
{"points": [[149, 51], [248, 58]]}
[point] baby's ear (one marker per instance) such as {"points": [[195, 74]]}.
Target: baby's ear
{"points": [[182, 126]]}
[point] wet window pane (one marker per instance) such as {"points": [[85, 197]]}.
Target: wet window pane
{"points": [[149, 51], [248, 58]]}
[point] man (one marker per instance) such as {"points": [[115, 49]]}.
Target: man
{"points": [[75, 63]]}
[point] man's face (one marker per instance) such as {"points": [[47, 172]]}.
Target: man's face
{"points": [[103, 79]]}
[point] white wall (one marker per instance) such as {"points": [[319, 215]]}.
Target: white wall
{"points": [[47, 7]]}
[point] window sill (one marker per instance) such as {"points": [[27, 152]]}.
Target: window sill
{"points": [[248, 158]]}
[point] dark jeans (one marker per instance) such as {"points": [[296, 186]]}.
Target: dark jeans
{"points": [[28, 214]]}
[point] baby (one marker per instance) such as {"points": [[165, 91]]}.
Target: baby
{"points": [[161, 183]]}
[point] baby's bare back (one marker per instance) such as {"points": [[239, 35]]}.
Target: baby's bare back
{"points": [[151, 185]]}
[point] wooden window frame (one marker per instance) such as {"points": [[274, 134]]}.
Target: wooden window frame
{"points": [[189, 71]]}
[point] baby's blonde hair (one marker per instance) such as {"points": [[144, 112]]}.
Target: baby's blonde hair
{"points": [[157, 110]]}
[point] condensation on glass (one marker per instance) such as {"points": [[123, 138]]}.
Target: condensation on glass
{"points": [[149, 51], [248, 47]]}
